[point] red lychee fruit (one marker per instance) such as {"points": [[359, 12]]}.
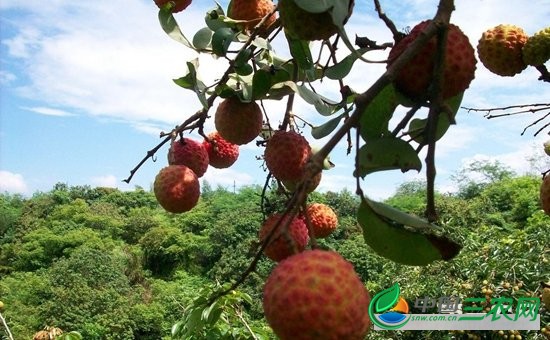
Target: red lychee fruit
{"points": [[221, 153], [190, 153], [283, 244], [545, 194], [414, 79], [177, 188], [499, 50], [237, 122], [322, 218], [286, 155], [316, 295], [179, 5], [253, 11]]}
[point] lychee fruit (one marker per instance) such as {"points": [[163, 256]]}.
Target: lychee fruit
{"points": [[177, 188], [237, 122], [536, 50], [545, 194], [322, 218], [499, 49], [311, 184], [221, 153], [190, 153], [286, 155], [284, 242], [179, 5], [547, 147], [316, 295], [414, 79], [253, 11], [301, 24]]}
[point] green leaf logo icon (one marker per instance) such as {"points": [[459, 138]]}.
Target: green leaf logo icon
{"points": [[386, 299]]}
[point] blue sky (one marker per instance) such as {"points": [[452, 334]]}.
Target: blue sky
{"points": [[86, 87]]}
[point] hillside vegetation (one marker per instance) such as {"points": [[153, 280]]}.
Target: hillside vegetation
{"points": [[113, 265]]}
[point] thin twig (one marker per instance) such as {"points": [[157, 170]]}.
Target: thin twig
{"points": [[10, 336]]}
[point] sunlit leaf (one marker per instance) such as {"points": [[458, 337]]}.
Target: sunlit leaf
{"points": [[170, 26], [387, 153], [202, 38]]}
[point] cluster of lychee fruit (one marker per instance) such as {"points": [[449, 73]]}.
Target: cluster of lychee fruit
{"points": [[310, 294], [507, 50], [176, 186]]}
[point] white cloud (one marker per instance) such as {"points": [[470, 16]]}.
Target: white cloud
{"points": [[227, 178], [6, 77], [12, 183], [49, 111], [109, 181]]}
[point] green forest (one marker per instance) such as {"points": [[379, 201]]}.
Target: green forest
{"points": [[112, 264]]}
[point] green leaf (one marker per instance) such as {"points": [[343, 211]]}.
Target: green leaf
{"points": [[340, 12], [215, 18], [375, 119], [190, 81], [342, 69], [322, 104], [241, 65], [261, 83], [221, 40], [318, 6], [444, 121], [387, 153], [202, 38], [299, 49], [325, 129], [386, 299], [170, 26], [392, 240]]}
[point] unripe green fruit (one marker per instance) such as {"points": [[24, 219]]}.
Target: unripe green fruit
{"points": [[536, 50]]}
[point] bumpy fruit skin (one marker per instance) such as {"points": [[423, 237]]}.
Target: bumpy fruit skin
{"points": [[323, 219], [316, 295], [415, 78], [546, 297], [237, 122], [177, 188], [547, 147], [190, 153], [286, 155], [281, 244], [180, 5], [252, 11], [545, 194], [303, 25], [499, 49], [221, 153], [536, 50]]}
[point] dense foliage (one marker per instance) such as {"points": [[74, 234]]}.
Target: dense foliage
{"points": [[114, 265]]}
